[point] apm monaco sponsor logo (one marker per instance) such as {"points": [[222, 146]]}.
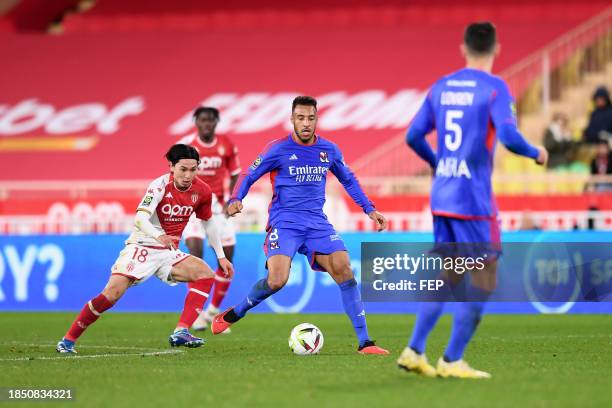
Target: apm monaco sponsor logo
{"points": [[177, 210]]}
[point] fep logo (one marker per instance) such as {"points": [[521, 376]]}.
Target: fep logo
{"points": [[32, 115]]}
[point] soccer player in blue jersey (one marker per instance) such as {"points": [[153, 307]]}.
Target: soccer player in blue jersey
{"points": [[298, 165], [469, 109]]}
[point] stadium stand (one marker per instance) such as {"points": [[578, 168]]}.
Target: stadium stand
{"points": [[136, 72]]}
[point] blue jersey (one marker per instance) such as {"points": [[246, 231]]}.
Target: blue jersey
{"points": [[298, 174], [469, 109]]}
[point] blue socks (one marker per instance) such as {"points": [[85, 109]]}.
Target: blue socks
{"points": [[428, 315], [259, 292], [465, 322], [353, 307]]}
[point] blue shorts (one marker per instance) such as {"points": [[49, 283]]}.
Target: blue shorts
{"points": [[481, 236], [309, 242]]}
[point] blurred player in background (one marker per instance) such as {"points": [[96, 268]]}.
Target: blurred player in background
{"points": [[151, 248], [298, 165], [218, 162], [469, 109]]}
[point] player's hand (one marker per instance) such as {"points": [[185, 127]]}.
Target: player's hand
{"points": [[381, 221], [227, 267], [168, 240], [234, 208], [542, 156]]}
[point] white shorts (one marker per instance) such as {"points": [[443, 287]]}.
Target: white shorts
{"points": [[140, 262], [194, 229]]}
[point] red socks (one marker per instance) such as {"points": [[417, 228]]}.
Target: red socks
{"points": [[197, 295], [89, 314], [221, 286]]}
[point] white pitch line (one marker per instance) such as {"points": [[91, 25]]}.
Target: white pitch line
{"points": [[72, 357], [79, 346]]}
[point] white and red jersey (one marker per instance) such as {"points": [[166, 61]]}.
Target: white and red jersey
{"points": [[170, 208], [217, 160]]}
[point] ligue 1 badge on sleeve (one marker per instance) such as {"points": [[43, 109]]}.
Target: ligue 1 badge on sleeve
{"points": [[256, 163], [323, 157]]}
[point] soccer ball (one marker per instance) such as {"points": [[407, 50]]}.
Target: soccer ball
{"points": [[306, 339]]}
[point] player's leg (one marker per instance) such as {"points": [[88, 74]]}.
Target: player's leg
{"points": [[327, 252], [219, 289], [469, 314], [413, 357], [113, 291], [200, 278], [278, 274], [222, 283], [429, 312], [280, 246]]}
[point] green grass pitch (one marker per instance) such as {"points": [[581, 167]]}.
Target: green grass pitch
{"points": [[536, 361]]}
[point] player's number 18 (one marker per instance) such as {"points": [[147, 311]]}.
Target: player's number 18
{"points": [[454, 135]]}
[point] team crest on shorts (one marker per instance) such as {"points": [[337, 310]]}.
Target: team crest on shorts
{"points": [[130, 267], [323, 157], [274, 245], [194, 198]]}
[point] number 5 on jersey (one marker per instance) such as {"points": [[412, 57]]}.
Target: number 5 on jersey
{"points": [[454, 135]]}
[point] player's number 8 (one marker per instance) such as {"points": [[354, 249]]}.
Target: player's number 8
{"points": [[453, 140]]}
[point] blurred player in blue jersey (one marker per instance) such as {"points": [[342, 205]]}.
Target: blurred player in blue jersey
{"points": [[298, 165], [469, 109]]}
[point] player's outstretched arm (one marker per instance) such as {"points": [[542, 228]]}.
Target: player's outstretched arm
{"points": [[264, 163], [142, 221], [510, 137], [503, 116], [381, 221], [348, 180], [213, 233], [234, 208]]}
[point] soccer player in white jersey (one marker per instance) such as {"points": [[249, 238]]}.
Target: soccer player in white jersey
{"points": [[151, 248]]}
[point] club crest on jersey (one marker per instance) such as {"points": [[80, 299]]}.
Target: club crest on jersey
{"points": [[194, 198], [221, 150], [323, 157], [256, 163]]}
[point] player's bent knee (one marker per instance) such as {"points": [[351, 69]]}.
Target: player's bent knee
{"points": [[342, 271], [276, 282]]}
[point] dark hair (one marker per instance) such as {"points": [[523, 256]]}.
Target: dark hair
{"points": [[182, 151], [304, 100], [207, 109], [480, 38]]}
